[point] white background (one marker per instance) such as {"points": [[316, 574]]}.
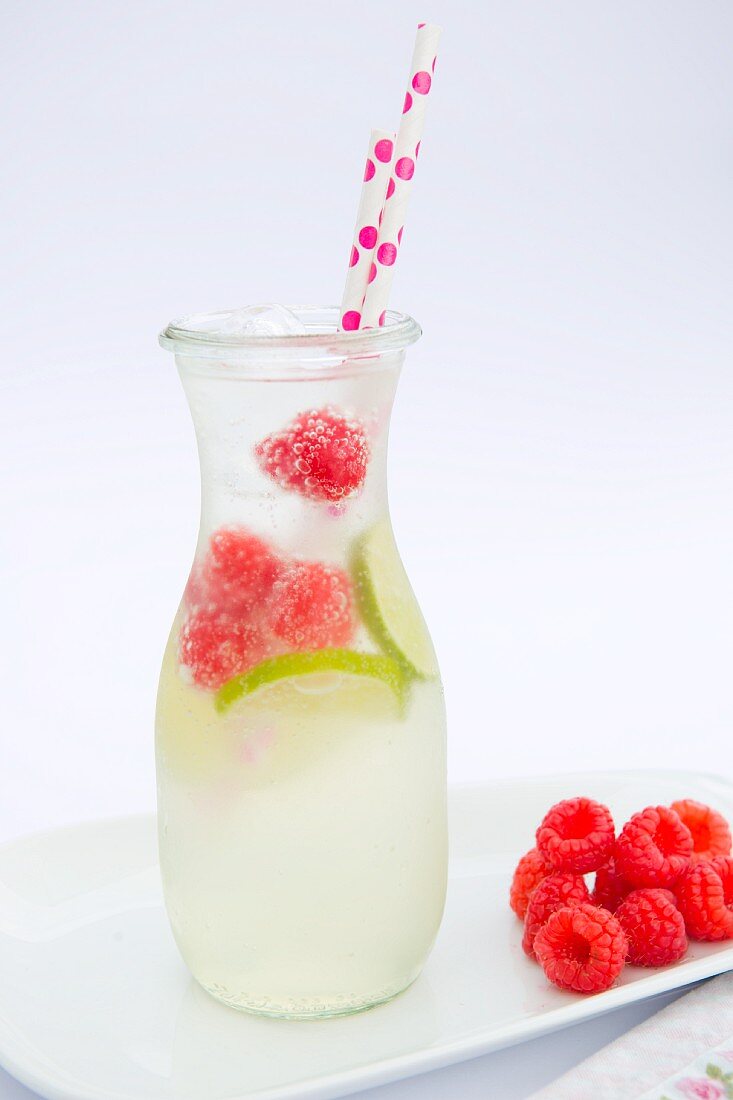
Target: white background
{"points": [[562, 454]]}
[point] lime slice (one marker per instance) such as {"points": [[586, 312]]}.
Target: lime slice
{"points": [[280, 729], [388, 605], [314, 664]]}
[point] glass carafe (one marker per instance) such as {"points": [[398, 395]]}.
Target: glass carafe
{"points": [[300, 727]]}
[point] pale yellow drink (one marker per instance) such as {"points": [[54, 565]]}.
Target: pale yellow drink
{"points": [[301, 801]]}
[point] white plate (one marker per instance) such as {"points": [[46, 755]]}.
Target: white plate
{"points": [[95, 1003]]}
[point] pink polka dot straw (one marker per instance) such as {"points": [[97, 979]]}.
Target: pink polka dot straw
{"points": [[407, 148], [376, 176]]}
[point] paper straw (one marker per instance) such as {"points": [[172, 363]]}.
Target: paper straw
{"points": [[399, 187], [376, 176]]}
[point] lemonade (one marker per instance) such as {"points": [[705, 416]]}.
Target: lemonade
{"points": [[300, 729]]}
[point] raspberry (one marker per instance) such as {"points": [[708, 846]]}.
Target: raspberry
{"points": [[215, 647], [654, 927], [710, 832], [529, 873], [582, 948], [239, 570], [576, 835], [553, 893], [610, 887], [705, 898], [320, 454], [653, 848], [312, 606]]}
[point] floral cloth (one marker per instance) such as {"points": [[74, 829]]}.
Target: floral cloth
{"points": [[707, 1078], [684, 1052]]}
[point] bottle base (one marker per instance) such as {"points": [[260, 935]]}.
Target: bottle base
{"points": [[315, 1008]]}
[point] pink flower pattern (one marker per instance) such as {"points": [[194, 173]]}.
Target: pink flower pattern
{"points": [[700, 1088]]}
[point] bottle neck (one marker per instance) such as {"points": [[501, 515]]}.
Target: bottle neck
{"points": [[303, 463]]}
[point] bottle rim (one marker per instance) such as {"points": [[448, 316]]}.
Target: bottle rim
{"points": [[199, 336]]}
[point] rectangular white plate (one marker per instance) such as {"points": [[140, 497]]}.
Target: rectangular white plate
{"points": [[95, 1003]]}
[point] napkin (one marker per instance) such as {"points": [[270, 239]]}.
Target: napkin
{"points": [[684, 1052]]}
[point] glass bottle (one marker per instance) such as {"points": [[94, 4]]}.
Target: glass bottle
{"points": [[300, 726]]}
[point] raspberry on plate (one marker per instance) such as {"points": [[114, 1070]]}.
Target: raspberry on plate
{"points": [[320, 454], [653, 848], [710, 831], [529, 873], [610, 888], [705, 899], [312, 606], [214, 647], [577, 835], [654, 927], [555, 892], [582, 948], [239, 570]]}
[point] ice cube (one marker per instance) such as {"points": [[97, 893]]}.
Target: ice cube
{"points": [[270, 320]]}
